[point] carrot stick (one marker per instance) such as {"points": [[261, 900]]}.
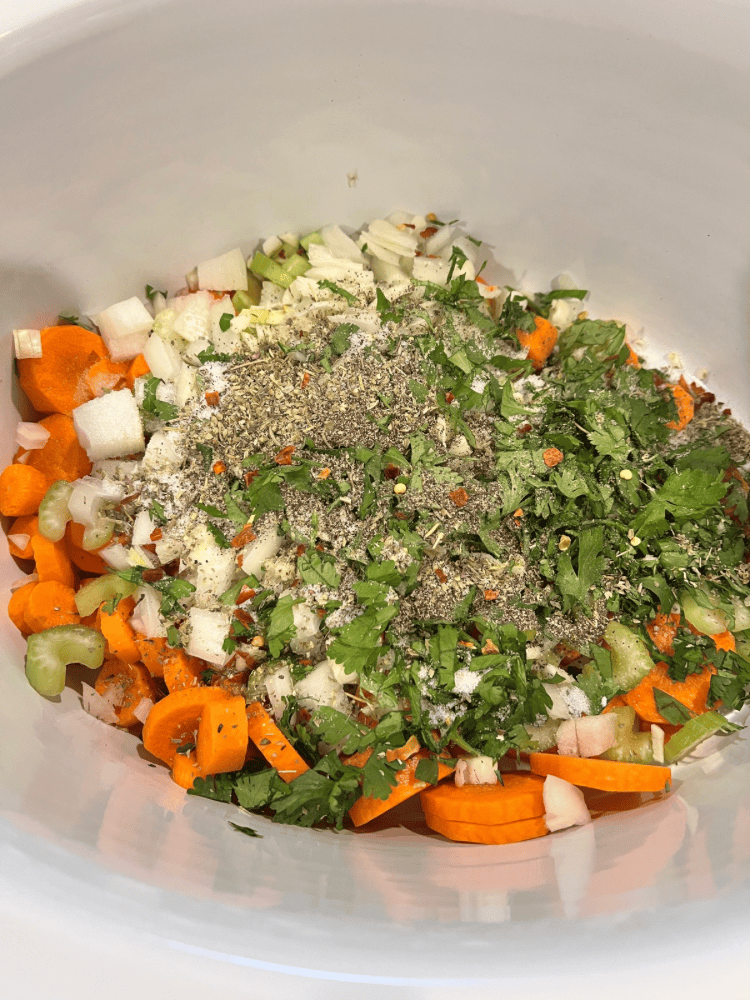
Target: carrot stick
{"points": [[609, 776], [51, 604], [26, 525], [685, 408], [540, 342], [489, 833], [62, 457], [138, 367], [272, 743], [54, 383], [19, 601], [119, 633], [173, 721], [22, 488], [180, 670], [519, 798], [367, 808], [692, 692], [725, 641], [662, 630], [131, 683], [222, 736], [185, 769]]}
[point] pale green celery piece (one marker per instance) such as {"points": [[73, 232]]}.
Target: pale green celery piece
{"points": [[287, 248], [542, 737], [296, 265], [49, 653], [691, 734], [244, 300], [741, 615], [742, 643], [708, 621], [103, 588], [99, 534], [630, 747], [269, 269], [630, 659], [53, 510], [315, 237]]}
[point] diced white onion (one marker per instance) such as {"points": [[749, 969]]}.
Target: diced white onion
{"points": [[88, 496], [162, 358], [386, 272], [402, 241], [269, 247], [27, 343], [20, 541], [435, 243], [564, 804], [279, 685], [116, 556], [143, 526], [110, 426], [142, 709], [433, 269], [23, 580], [146, 618], [193, 321], [101, 707], [320, 687], [30, 435], [340, 244], [208, 630], [191, 280], [225, 273], [124, 328], [562, 282]]}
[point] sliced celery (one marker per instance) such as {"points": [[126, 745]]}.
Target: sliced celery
{"points": [[742, 642], [99, 534], [708, 621], [542, 737], [630, 747], [295, 265], [103, 588], [630, 659], [314, 237], [53, 510], [48, 654], [270, 270], [245, 300], [694, 732], [288, 249]]}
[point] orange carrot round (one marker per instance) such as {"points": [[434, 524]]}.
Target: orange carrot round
{"points": [[180, 670], [62, 457], [49, 604], [489, 833], [222, 736], [663, 629], [106, 375], [131, 683], [185, 769], [520, 797], [692, 692], [52, 561], [607, 775], [138, 367], [54, 383], [22, 489], [152, 653], [540, 342], [26, 525], [272, 743], [119, 633], [19, 601], [685, 408], [366, 808], [173, 721]]}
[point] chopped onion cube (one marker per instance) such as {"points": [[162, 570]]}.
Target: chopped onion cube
{"points": [[110, 426], [20, 541], [31, 436], [27, 343], [227, 273], [564, 804], [124, 328], [208, 630], [100, 706], [142, 709], [116, 556], [162, 358], [22, 580], [87, 497]]}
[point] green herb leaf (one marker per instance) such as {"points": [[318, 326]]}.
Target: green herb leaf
{"points": [[151, 292], [225, 321], [154, 406], [318, 570], [338, 290], [247, 830], [673, 710], [281, 627]]}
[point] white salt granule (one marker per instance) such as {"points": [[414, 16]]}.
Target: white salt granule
{"points": [[465, 681]]}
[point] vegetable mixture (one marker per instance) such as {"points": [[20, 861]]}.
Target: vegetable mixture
{"points": [[343, 522]]}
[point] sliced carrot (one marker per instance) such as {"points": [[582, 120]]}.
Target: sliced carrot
{"points": [[19, 601], [360, 758], [725, 641], [62, 457], [106, 375], [367, 808], [152, 653], [222, 736], [185, 769], [173, 721], [51, 560], [662, 630], [130, 683], [540, 342], [50, 604], [489, 833], [609, 776], [518, 798], [181, 671], [617, 702], [685, 408], [119, 633], [272, 743], [22, 488], [692, 692], [54, 383], [26, 525], [632, 358], [138, 367]]}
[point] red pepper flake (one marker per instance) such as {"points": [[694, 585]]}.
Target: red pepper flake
{"points": [[324, 474], [429, 231], [449, 397], [441, 575], [320, 612], [257, 641], [523, 429], [284, 457], [301, 549], [726, 413], [491, 595], [552, 457], [305, 380], [212, 398], [305, 663], [251, 475], [156, 535], [399, 515], [391, 471], [218, 467], [152, 575], [490, 647], [406, 225], [246, 594], [244, 617], [459, 497], [243, 537], [466, 643]]}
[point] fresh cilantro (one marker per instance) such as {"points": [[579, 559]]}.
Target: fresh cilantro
{"points": [[218, 535], [230, 596], [385, 310], [427, 770], [357, 644], [575, 584], [235, 513], [154, 406], [685, 496], [247, 830], [318, 570], [211, 354], [458, 259], [206, 454], [224, 321], [70, 319], [211, 510], [340, 337], [673, 710], [173, 591], [151, 292], [281, 627], [156, 512], [173, 637], [338, 290]]}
